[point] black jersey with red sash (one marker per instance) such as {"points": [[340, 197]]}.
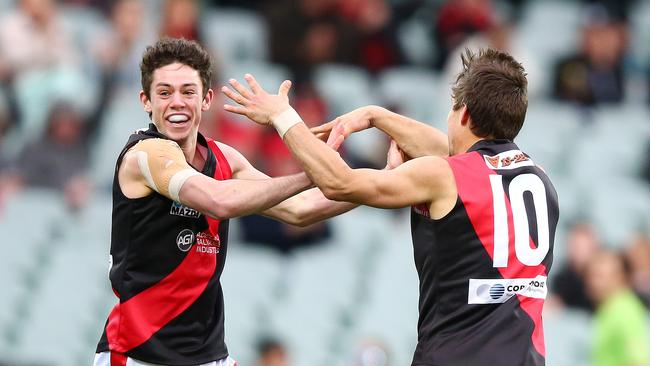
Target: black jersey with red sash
{"points": [[483, 266], [166, 263]]}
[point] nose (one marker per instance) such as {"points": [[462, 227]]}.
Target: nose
{"points": [[177, 100]]}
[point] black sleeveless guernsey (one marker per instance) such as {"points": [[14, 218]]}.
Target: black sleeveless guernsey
{"points": [[483, 267], [166, 263]]}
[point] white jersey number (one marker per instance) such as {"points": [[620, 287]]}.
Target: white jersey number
{"points": [[525, 254]]}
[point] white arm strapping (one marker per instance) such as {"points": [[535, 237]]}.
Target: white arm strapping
{"points": [[285, 120], [177, 181]]}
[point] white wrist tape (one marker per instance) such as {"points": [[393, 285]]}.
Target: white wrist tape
{"points": [[177, 181], [285, 120]]}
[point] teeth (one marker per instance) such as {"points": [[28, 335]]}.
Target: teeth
{"points": [[177, 118]]}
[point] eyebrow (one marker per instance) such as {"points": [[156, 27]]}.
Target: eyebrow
{"points": [[171, 86]]}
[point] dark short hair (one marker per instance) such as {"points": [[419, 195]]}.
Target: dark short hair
{"points": [[493, 87], [169, 50]]}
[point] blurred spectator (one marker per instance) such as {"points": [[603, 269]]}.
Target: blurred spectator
{"points": [[271, 352], [32, 37], [180, 19], [637, 253], [594, 74], [248, 4], [568, 282], [371, 353], [275, 159], [456, 21], [621, 324], [498, 36], [118, 52], [374, 21], [619, 9], [305, 33], [59, 158]]}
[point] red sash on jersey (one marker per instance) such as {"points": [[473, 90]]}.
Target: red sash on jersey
{"points": [[472, 181], [134, 321]]}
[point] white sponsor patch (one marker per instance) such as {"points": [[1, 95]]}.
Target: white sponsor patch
{"points": [[495, 291], [511, 159]]}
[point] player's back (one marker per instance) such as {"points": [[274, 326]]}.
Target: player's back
{"points": [[483, 266]]}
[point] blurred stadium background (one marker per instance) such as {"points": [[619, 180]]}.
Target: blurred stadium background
{"points": [[343, 293]]}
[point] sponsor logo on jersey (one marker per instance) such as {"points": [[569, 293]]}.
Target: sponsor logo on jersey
{"points": [[179, 209], [207, 243], [510, 159], [185, 239], [494, 291], [422, 209]]}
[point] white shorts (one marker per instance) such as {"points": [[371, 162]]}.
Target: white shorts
{"points": [[104, 359]]}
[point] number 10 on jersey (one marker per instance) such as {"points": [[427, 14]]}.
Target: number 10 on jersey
{"points": [[524, 252]]}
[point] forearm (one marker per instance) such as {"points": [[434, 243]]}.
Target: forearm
{"points": [[307, 208], [324, 166], [415, 138], [240, 197]]}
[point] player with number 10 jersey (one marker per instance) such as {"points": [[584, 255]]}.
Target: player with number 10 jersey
{"points": [[483, 266]]}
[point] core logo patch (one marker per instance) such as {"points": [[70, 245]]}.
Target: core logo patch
{"points": [[494, 291]]}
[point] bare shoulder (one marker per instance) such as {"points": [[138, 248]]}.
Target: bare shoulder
{"points": [[146, 154], [439, 176]]}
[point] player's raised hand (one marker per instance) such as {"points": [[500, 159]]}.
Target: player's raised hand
{"points": [[355, 121], [255, 103]]}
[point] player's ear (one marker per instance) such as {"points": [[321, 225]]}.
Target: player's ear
{"points": [[146, 103], [465, 118], [207, 100]]}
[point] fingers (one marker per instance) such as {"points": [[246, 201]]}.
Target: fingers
{"points": [[325, 127], [323, 136], [255, 86], [236, 97], [235, 109], [241, 89], [335, 134], [284, 88], [336, 143]]}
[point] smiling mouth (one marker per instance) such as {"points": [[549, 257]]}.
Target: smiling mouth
{"points": [[178, 118]]}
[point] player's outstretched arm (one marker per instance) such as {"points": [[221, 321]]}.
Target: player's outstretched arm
{"points": [[303, 209], [159, 165], [414, 138], [420, 180]]}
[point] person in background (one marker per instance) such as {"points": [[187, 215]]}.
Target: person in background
{"points": [[271, 352], [180, 19], [621, 321], [376, 25], [637, 253], [118, 52], [33, 37], [372, 352], [305, 33], [594, 75], [568, 283], [457, 20]]}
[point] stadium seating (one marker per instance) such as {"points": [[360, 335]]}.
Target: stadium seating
{"points": [[412, 91], [236, 35]]}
